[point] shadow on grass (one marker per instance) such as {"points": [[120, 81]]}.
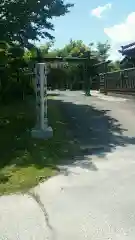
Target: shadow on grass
{"points": [[16, 122], [80, 132], [24, 160]]}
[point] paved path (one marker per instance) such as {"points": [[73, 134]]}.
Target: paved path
{"points": [[95, 198]]}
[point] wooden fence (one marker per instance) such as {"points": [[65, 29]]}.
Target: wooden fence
{"points": [[122, 81]]}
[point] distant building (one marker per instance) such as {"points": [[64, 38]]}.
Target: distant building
{"points": [[128, 52]]}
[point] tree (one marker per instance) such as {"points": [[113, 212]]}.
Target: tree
{"points": [[44, 49], [114, 66], [73, 49], [103, 50], [26, 20]]}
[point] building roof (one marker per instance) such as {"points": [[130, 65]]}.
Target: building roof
{"points": [[128, 50]]}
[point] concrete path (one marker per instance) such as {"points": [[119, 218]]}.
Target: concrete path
{"points": [[94, 197]]}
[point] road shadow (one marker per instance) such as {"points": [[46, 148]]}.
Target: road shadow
{"points": [[82, 132], [93, 132], [52, 94]]}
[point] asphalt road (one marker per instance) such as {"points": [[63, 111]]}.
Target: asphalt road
{"points": [[94, 197]]}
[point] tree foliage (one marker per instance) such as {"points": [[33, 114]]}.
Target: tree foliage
{"points": [[73, 49], [21, 23], [26, 20], [115, 66], [103, 50]]}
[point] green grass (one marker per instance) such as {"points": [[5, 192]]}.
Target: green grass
{"points": [[25, 161]]}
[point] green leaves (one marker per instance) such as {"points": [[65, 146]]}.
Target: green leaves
{"points": [[25, 20], [103, 49], [16, 52], [73, 49]]}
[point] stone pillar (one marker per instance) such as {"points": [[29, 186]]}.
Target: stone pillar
{"points": [[41, 130]]}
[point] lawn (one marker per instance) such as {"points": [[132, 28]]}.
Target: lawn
{"points": [[25, 161]]}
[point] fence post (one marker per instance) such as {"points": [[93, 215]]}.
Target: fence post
{"points": [[103, 83]]}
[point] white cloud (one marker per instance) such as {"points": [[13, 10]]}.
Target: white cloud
{"points": [[97, 12], [122, 33]]}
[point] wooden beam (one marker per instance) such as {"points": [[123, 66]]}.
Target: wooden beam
{"points": [[60, 59]]}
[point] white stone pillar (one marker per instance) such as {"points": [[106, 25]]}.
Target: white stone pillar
{"points": [[42, 100], [45, 95], [42, 130]]}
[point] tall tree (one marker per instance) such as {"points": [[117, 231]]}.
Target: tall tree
{"points": [[114, 66], [25, 20], [44, 49], [103, 50], [74, 49]]}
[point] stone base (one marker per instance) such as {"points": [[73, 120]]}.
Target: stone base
{"points": [[42, 134]]}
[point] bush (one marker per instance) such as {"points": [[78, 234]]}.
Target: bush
{"points": [[14, 84]]}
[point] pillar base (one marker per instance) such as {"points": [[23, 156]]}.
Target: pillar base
{"points": [[42, 134]]}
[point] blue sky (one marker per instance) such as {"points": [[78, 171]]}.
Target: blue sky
{"points": [[111, 20]]}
